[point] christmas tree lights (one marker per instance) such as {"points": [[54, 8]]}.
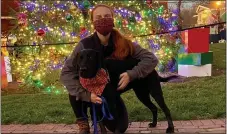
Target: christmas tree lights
{"points": [[42, 22]]}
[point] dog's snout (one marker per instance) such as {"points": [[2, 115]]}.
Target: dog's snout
{"points": [[83, 68]]}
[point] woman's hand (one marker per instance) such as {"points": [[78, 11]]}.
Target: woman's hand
{"points": [[95, 99], [124, 80]]}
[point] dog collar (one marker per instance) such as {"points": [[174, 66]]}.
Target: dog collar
{"points": [[97, 84]]}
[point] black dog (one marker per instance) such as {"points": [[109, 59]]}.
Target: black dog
{"points": [[90, 64], [143, 88]]}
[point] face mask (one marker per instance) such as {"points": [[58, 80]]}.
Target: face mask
{"points": [[104, 26]]}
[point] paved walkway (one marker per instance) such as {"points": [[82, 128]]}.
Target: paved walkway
{"points": [[193, 126]]}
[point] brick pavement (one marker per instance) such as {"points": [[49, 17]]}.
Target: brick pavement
{"points": [[192, 126]]}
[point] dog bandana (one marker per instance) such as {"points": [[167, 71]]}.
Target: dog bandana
{"points": [[97, 84]]}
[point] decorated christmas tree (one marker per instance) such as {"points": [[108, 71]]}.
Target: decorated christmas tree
{"points": [[46, 32]]}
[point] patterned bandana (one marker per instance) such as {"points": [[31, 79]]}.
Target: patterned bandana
{"points": [[97, 84], [104, 26]]}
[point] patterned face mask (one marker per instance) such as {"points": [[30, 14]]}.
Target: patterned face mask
{"points": [[97, 84], [104, 26]]}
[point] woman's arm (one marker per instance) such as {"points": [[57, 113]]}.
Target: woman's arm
{"points": [[148, 61], [70, 77]]}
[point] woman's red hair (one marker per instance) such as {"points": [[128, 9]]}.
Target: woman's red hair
{"points": [[123, 46]]}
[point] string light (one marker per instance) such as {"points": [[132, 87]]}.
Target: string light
{"points": [[64, 21]]}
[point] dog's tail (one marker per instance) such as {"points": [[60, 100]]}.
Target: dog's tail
{"points": [[166, 79]]}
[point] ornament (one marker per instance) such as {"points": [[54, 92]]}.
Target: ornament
{"points": [[145, 13], [85, 7], [22, 19], [73, 34], [68, 17], [48, 89], [131, 26], [86, 4], [30, 27], [150, 12], [119, 23], [132, 19], [125, 22], [174, 23], [21, 16], [149, 3], [12, 38], [160, 10], [38, 82], [40, 32], [82, 30]]}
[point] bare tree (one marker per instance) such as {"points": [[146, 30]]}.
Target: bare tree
{"points": [[179, 19]]}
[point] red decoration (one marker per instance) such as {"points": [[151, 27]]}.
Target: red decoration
{"points": [[21, 16], [125, 22], [196, 40], [22, 23], [22, 19], [41, 32], [82, 30], [149, 3]]}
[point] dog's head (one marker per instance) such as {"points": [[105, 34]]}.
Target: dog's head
{"points": [[88, 63]]}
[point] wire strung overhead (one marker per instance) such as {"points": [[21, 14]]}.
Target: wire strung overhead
{"points": [[68, 43]]}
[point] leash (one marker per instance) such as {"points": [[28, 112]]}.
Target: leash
{"points": [[105, 111]]}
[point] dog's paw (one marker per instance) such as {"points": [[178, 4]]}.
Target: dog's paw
{"points": [[170, 130], [152, 124]]}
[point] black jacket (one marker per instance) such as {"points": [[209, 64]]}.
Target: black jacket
{"points": [[70, 76]]}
